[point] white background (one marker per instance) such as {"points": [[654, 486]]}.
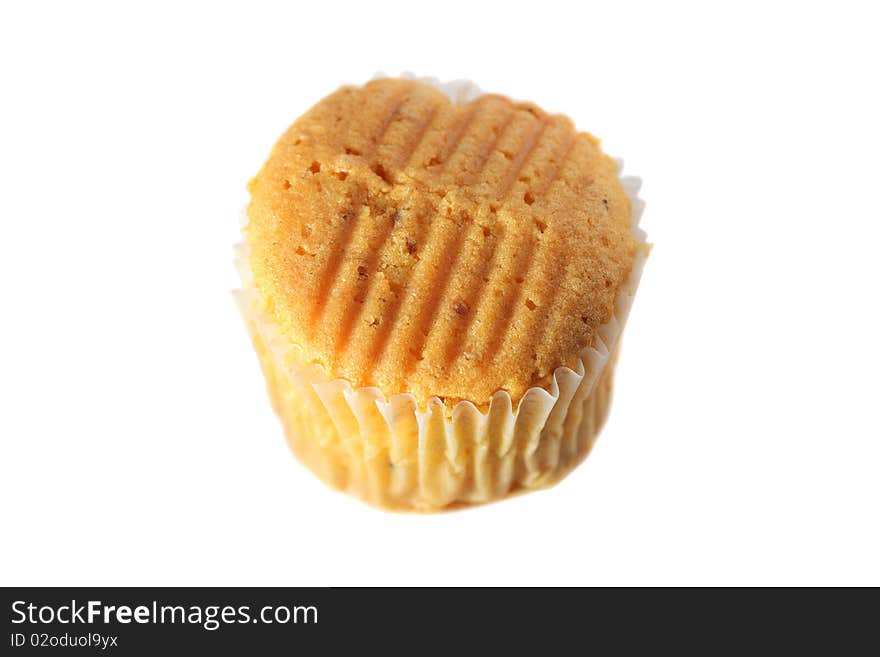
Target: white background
{"points": [[138, 445]]}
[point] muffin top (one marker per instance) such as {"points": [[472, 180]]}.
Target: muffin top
{"points": [[409, 243]]}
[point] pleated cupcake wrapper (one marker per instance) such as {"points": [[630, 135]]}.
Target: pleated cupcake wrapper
{"points": [[395, 453]]}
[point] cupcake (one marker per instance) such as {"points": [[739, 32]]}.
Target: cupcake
{"points": [[435, 282]]}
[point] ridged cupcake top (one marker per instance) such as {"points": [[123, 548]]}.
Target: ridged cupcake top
{"points": [[416, 245]]}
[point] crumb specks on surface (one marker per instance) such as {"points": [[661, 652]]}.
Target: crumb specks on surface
{"points": [[446, 250]]}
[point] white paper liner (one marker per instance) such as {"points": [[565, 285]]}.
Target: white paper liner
{"points": [[395, 453]]}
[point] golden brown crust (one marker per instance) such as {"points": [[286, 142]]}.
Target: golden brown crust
{"points": [[444, 250]]}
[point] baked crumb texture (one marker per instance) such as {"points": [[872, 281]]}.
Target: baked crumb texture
{"points": [[416, 273], [448, 251]]}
